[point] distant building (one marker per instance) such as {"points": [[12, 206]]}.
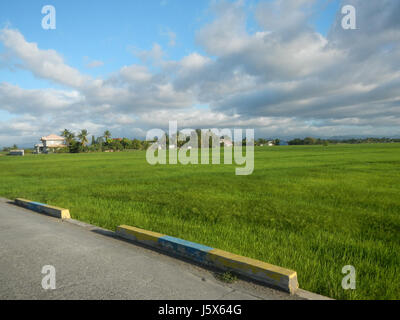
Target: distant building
{"points": [[226, 142], [39, 148], [17, 153], [50, 144]]}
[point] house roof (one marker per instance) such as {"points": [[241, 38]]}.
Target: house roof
{"points": [[52, 137]]}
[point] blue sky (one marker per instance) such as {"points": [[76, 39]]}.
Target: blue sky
{"points": [[195, 61], [109, 31], [105, 30]]}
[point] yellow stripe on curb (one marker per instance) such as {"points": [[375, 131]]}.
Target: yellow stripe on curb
{"points": [[269, 274], [140, 235], [255, 269], [60, 213], [279, 277]]}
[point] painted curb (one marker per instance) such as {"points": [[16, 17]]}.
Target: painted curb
{"points": [[43, 208], [254, 269]]}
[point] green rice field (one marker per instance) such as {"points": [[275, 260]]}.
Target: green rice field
{"points": [[313, 209]]}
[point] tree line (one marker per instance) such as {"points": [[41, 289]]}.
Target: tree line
{"points": [[79, 142], [318, 141], [14, 147]]}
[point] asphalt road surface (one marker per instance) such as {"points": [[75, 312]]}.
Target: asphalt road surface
{"points": [[91, 263]]}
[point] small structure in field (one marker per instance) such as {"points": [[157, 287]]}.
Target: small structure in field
{"points": [[17, 153], [39, 148], [226, 142], [50, 144]]}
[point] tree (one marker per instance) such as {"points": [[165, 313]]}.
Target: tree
{"points": [[136, 144], [116, 145], [107, 135], [93, 141], [309, 141], [145, 145], [82, 136], [68, 135], [74, 147], [126, 143], [261, 141], [296, 142], [100, 140], [65, 133]]}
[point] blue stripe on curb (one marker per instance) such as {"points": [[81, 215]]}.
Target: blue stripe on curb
{"points": [[36, 206], [44, 208], [257, 270], [178, 246], [38, 203]]}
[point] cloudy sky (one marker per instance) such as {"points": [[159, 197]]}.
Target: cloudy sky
{"points": [[283, 67]]}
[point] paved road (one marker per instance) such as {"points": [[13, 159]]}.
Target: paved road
{"points": [[91, 264]]}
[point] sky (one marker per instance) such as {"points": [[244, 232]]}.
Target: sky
{"points": [[286, 68]]}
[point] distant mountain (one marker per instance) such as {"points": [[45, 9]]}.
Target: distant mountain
{"points": [[288, 138]]}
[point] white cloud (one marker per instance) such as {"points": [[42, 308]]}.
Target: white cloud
{"points": [[171, 37], [42, 63], [154, 56], [283, 79], [95, 64], [227, 33], [36, 101], [135, 73]]}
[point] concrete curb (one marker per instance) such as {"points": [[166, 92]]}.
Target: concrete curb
{"points": [[254, 269], [213, 257], [43, 208]]}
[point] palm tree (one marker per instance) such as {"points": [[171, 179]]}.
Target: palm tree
{"points": [[83, 136], [107, 135], [65, 133], [68, 135]]}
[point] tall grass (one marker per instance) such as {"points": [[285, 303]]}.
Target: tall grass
{"points": [[313, 209]]}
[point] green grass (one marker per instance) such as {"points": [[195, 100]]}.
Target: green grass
{"points": [[313, 209], [226, 277]]}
